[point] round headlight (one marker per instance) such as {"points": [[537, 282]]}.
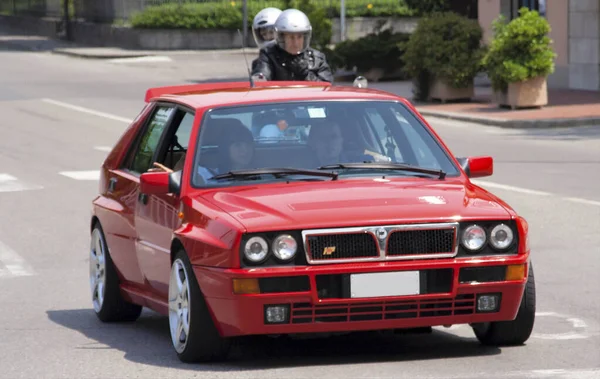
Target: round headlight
{"points": [[285, 247], [256, 249], [501, 236], [474, 237]]}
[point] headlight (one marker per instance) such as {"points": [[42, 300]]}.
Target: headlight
{"points": [[256, 249], [285, 247], [501, 236], [473, 238]]}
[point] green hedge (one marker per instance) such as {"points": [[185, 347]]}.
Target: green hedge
{"points": [[228, 15]]}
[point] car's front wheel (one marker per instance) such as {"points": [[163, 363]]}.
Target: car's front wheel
{"points": [[193, 333], [108, 303], [517, 331]]}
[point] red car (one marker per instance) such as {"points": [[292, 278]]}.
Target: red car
{"points": [[286, 208]]}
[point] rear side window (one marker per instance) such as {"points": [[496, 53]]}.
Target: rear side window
{"points": [[149, 141]]}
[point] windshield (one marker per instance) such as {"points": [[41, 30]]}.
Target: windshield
{"points": [[311, 135]]}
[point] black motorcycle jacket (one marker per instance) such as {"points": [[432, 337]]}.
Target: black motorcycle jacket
{"points": [[277, 64]]}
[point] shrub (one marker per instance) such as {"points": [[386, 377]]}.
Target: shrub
{"points": [[445, 46], [520, 50], [424, 7], [189, 16], [379, 49], [228, 15]]}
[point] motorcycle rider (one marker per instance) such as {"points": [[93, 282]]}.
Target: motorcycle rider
{"points": [[263, 26], [291, 58]]}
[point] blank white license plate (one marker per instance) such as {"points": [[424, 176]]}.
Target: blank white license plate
{"points": [[384, 284]]}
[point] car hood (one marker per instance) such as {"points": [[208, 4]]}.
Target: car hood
{"points": [[305, 205]]}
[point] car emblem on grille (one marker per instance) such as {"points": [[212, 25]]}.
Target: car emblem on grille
{"points": [[381, 233], [329, 250]]}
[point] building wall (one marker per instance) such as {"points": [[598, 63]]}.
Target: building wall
{"points": [[584, 44], [488, 11], [575, 33], [557, 14]]}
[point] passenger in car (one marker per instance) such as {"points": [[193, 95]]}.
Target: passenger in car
{"points": [[327, 141]]}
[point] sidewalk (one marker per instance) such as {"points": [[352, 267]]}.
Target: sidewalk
{"points": [[565, 108]]}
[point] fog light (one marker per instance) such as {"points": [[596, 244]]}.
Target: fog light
{"points": [[276, 314], [488, 303]]}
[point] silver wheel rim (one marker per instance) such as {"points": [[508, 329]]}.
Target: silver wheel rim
{"points": [[97, 269], [179, 309]]}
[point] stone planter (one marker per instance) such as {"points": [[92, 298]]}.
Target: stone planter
{"points": [[529, 93], [442, 91]]}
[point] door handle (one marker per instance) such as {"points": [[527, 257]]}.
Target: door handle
{"points": [[111, 184], [143, 198]]}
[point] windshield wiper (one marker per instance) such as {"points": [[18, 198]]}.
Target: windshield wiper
{"points": [[384, 166], [276, 172]]}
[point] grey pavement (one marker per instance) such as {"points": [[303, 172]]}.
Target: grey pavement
{"points": [[47, 325]]}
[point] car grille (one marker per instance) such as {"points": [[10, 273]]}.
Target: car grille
{"points": [[416, 242], [381, 243], [303, 313], [351, 245]]}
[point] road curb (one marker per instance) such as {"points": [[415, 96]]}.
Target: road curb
{"points": [[514, 123], [99, 55]]}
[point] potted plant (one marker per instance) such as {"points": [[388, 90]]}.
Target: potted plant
{"points": [[519, 60], [443, 56]]}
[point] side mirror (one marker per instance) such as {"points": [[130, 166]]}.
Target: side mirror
{"points": [[157, 183], [477, 167], [360, 82]]}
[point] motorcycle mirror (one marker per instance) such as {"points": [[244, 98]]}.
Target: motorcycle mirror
{"points": [[360, 82]]}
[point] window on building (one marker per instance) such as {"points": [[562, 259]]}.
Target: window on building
{"points": [[535, 5]]}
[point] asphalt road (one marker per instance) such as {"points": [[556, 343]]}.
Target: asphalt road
{"points": [[60, 114]]}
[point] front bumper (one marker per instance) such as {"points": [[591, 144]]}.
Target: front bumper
{"points": [[447, 296]]}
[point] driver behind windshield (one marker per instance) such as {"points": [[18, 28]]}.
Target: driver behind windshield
{"points": [[236, 152], [327, 141]]}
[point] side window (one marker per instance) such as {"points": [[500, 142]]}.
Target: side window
{"points": [[146, 149], [177, 144]]}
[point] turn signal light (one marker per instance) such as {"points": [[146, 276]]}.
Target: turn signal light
{"points": [[515, 272], [245, 286]]}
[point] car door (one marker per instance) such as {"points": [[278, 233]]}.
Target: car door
{"points": [[156, 216], [121, 199], [124, 186]]}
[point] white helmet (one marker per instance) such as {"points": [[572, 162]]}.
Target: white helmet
{"points": [[293, 21], [264, 22]]}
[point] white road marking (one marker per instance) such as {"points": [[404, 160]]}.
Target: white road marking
{"points": [[87, 110], [533, 192], [13, 263], [583, 201], [103, 148], [580, 328], [510, 188], [148, 59], [82, 175], [9, 183]]}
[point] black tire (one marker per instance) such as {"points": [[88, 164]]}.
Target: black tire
{"points": [[203, 342], [113, 308], [517, 331]]}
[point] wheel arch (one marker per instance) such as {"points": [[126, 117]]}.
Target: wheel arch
{"points": [[95, 220]]}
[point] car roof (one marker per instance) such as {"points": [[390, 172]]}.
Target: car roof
{"points": [[211, 95]]}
